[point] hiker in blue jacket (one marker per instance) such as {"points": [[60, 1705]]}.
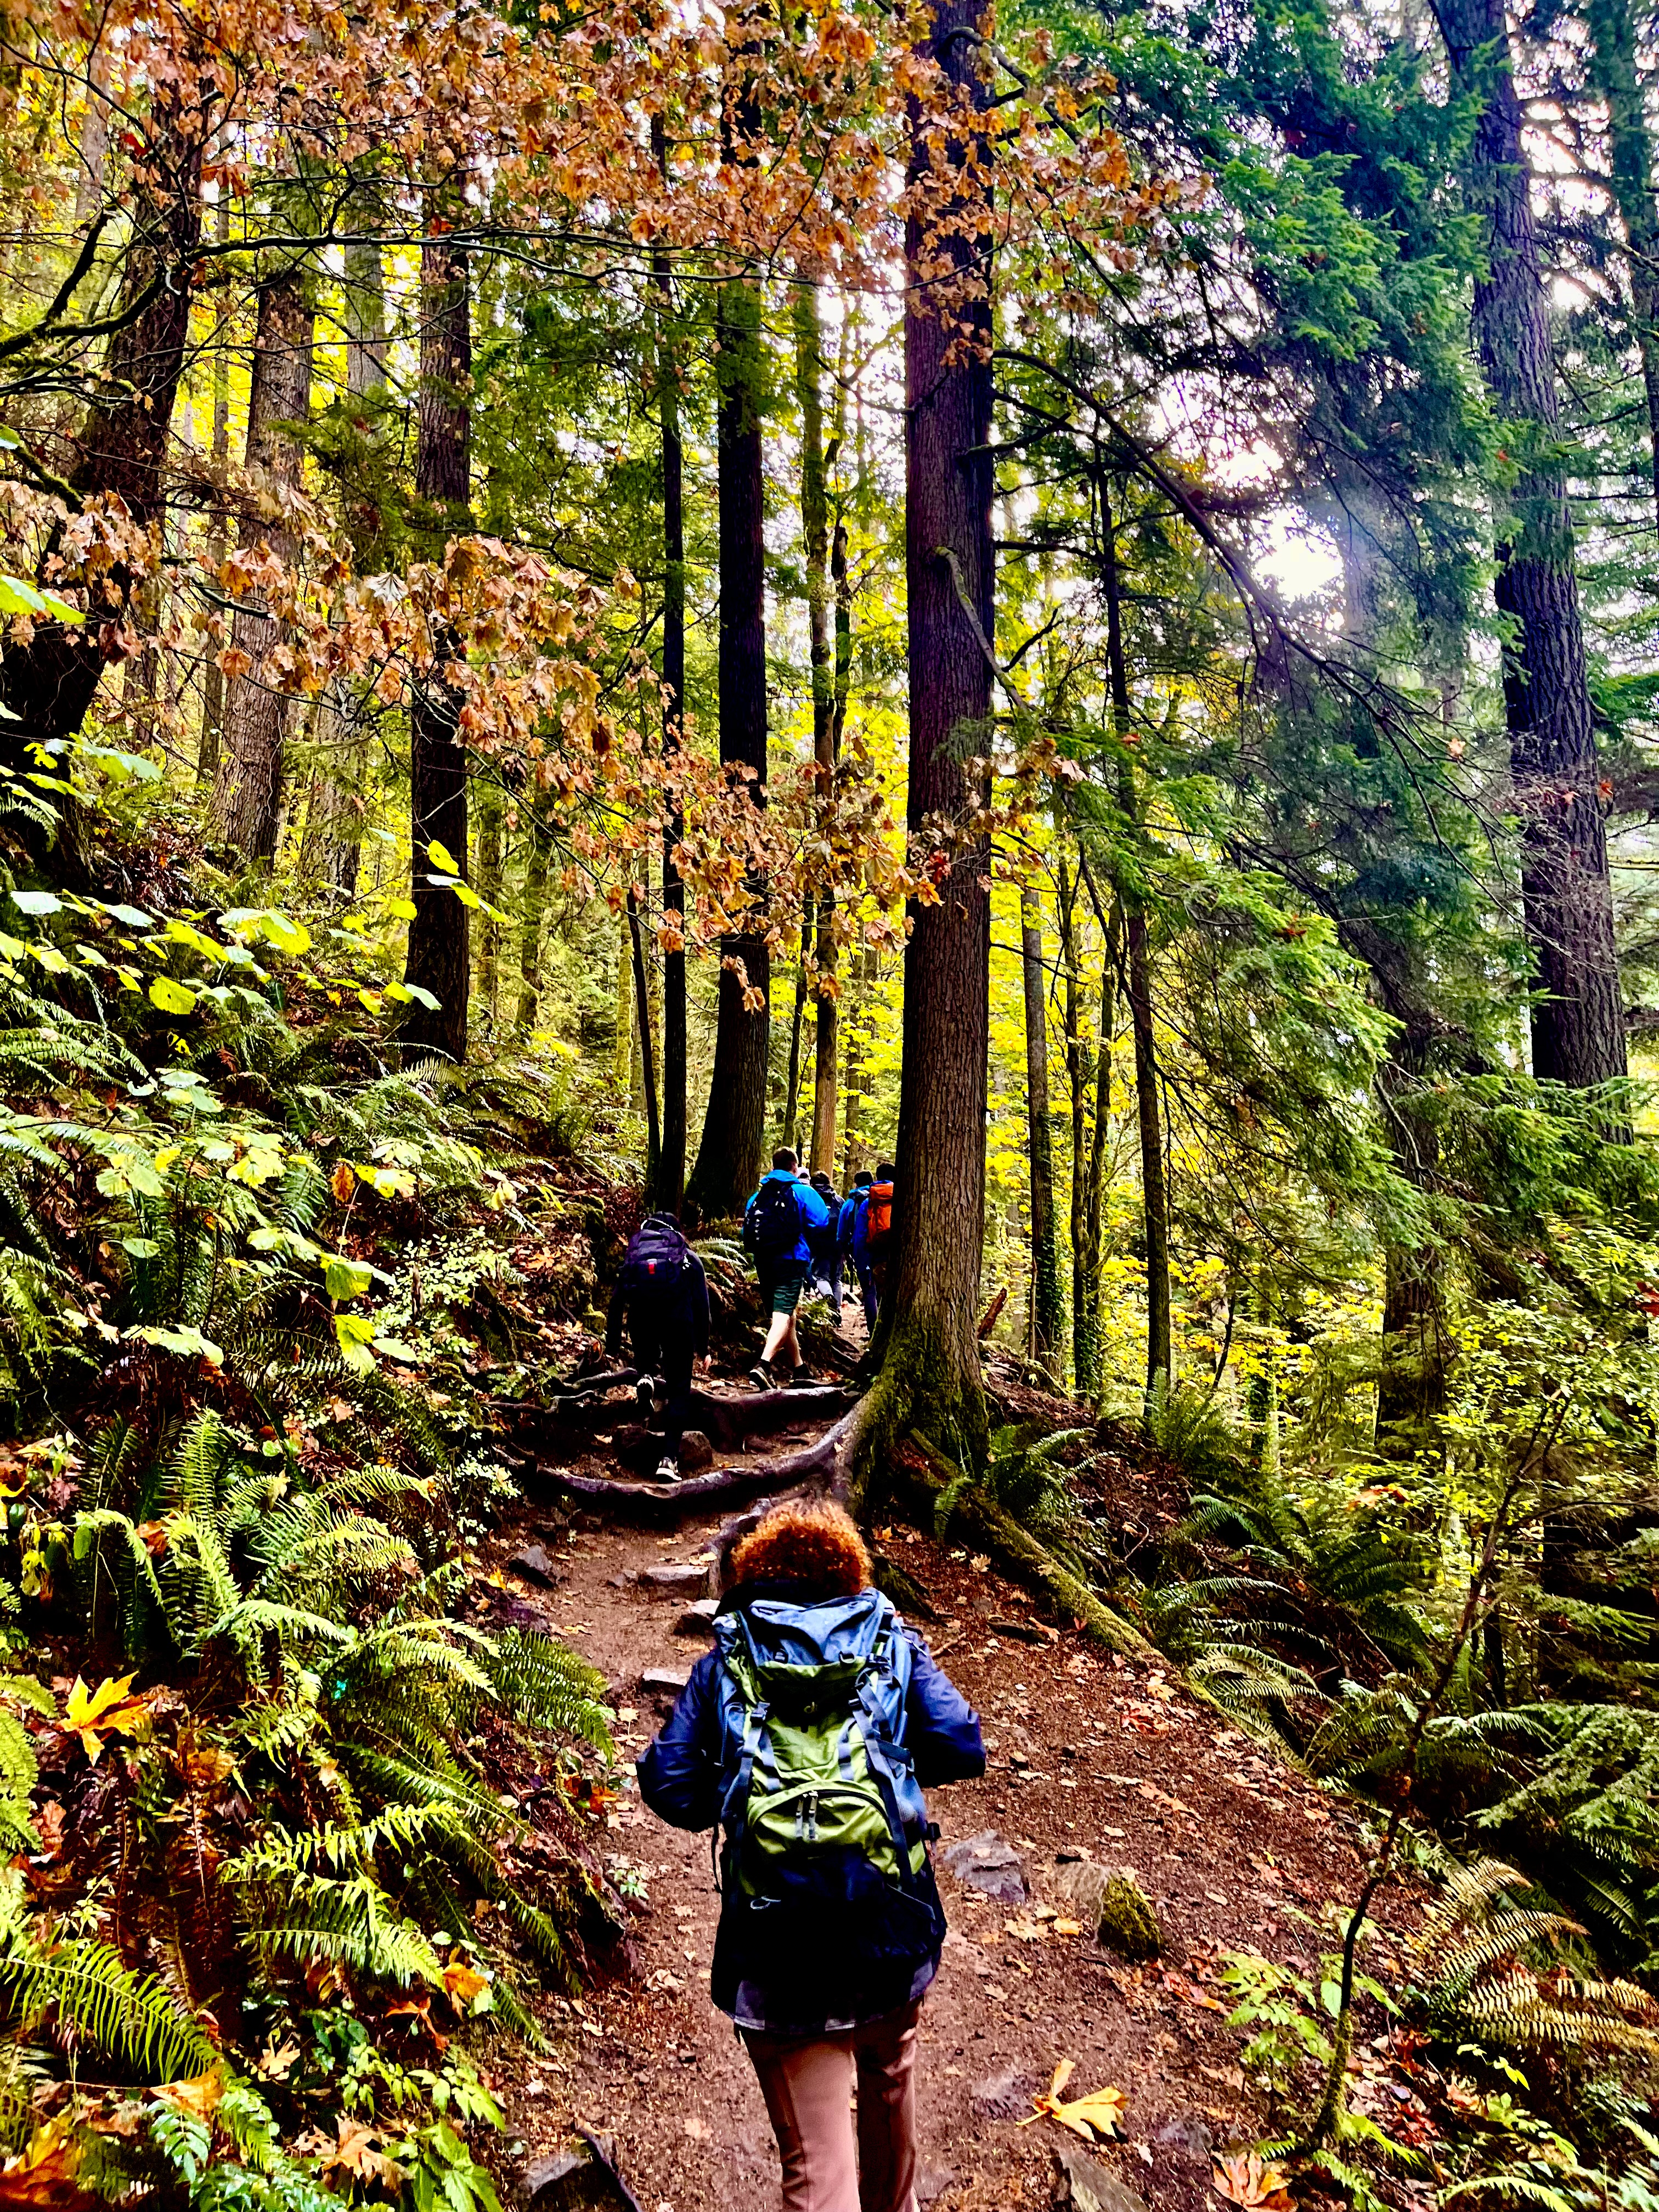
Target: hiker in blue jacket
{"points": [[807, 1735], [846, 1230], [662, 1293], [778, 1223], [826, 1245]]}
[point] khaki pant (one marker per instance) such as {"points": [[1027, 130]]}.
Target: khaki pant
{"points": [[807, 2082]]}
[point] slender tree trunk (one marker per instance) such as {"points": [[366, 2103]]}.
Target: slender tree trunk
{"points": [[247, 790], [1613, 73], [647, 1053], [94, 137], [530, 925], [853, 1147], [1084, 1354], [671, 1169], [1047, 1312], [1154, 1188], [337, 792], [1094, 1194], [930, 1370], [213, 677], [729, 1156], [791, 1088], [622, 1039], [490, 889], [438, 936], [814, 538], [1578, 1025]]}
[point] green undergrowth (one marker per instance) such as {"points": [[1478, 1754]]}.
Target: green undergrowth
{"points": [[304, 1812]]}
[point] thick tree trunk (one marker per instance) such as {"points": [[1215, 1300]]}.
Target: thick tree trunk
{"points": [[247, 789], [47, 685], [1047, 1315], [1154, 1188], [671, 1163], [438, 936], [1578, 1026], [930, 1374], [729, 1156], [1614, 75]]}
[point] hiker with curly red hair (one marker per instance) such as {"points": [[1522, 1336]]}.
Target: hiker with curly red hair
{"points": [[806, 1735]]}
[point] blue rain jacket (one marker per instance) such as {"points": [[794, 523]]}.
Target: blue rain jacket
{"points": [[812, 1213], [816, 1976]]}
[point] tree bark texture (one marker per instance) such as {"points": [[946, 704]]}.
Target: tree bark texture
{"points": [[438, 957], [1154, 1186], [1047, 1315], [213, 677], [1578, 1026], [932, 1342], [729, 1156], [669, 1191], [1613, 73], [247, 789], [814, 538], [529, 926]]}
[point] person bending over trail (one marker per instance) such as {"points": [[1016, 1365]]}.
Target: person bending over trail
{"points": [[779, 1224], [663, 1293], [806, 1735]]}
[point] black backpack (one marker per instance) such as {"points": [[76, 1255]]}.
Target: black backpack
{"points": [[774, 1222], [656, 1258]]}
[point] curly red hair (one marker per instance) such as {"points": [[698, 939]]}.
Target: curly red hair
{"points": [[818, 1544]]}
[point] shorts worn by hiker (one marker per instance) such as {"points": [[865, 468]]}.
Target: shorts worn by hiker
{"points": [[807, 1735], [782, 1293]]}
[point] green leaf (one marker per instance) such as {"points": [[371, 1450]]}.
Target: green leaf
{"points": [[354, 1335], [133, 916], [37, 902], [345, 1278], [423, 997], [443, 859], [393, 1347], [188, 1343], [172, 998], [403, 908]]}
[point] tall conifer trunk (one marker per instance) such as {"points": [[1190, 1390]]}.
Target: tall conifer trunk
{"points": [[1578, 1025], [1614, 75], [670, 1159], [248, 787], [437, 960], [814, 534], [729, 1156], [1047, 1316], [930, 1374]]}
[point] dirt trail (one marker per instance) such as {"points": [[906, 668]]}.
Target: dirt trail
{"points": [[1235, 1850]]}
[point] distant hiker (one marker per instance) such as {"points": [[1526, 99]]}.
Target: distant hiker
{"points": [[844, 1229], [826, 1248], [807, 1734], [872, 1235], [778, 1223], [663, 1293]]}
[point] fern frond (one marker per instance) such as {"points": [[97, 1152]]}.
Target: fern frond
{"points": [[134, 2022]]}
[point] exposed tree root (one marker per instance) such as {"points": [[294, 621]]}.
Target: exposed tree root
{"points": [[817, 1467], [1017, 1551], [725, 1421]]}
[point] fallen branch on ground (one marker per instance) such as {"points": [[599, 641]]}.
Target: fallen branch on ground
{"points": [[820, 1464]]}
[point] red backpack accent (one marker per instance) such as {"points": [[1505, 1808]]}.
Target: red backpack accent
{"points": [[878, 1220]]}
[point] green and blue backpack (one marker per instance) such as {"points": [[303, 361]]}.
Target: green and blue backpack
{"points": [[826, 1826]]}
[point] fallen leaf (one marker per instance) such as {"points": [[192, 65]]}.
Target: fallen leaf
{"points": [[1068, 1927], [357, 2151], [106, 1710], [1022, 1926], [343, 1180], [463, 1985], [198, 2096], [1247, 2180], [1097, 2117]]}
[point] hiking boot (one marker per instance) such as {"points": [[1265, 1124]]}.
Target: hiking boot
{"points": [[668, 1469], [762, 1377], [803, 1379]]}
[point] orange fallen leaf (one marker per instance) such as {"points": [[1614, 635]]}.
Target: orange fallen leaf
{"points": [[198, 2096], [1097, 2117], [106, 1710], [463, 1985], [1247, 2180]]}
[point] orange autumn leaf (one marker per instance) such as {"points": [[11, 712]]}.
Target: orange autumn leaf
{"points": [[1097, 2117], [1247, 2180], [463, 1984]]}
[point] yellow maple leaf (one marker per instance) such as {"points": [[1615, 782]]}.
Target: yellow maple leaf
{"points": [[463, 1985], [198, 2096], [1097, 2117], [93, 1714]]}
